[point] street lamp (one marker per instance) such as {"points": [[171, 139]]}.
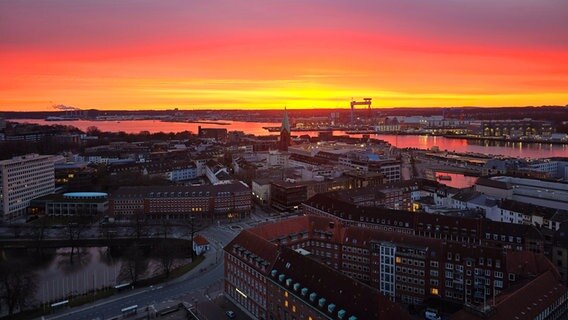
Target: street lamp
{"points": [[192, 230]]}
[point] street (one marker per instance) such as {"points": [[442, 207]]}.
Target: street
{"points": [[199, 287]]}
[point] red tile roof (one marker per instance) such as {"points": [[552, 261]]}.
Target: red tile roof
{"points": [[200, 240], [522, 303], [529, 264], [254, 244]]}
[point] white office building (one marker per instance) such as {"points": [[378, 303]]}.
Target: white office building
{"points": [[23, 179]]}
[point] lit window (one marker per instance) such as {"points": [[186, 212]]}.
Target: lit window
{"points": [[398, 259], [286, 294], [293, 308], [286, 303], [434, 291]]}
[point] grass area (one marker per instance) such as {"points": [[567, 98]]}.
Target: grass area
{"points": [[28, 314], [80, 300], [84, 299], [178, 272]]}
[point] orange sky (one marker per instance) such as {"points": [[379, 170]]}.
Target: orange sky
{"points": [[128, 54]]}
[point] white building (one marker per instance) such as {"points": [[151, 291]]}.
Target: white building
{"points": [[23, 179], [533, 191], [200, 245]]}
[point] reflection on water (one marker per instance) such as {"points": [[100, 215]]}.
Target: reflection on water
{"points": [[61, 274], [85, 270], [510, 149], [457, 180]]}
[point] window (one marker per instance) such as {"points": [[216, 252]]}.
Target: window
{"points": [[434, 291]]}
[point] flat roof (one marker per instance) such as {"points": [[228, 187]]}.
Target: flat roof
{"points": [[85, 195]]}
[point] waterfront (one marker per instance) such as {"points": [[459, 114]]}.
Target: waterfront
{"points": [[496, 148], [60, 275], [457, 180]]}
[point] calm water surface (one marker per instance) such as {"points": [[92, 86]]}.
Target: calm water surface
{"points": [[510, 149]]}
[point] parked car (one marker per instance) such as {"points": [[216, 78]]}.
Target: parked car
{"points": [[231, 314], [432, 314]]}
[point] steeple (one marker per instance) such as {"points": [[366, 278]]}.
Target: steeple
{"points": [[285, 122], [285, 131]]}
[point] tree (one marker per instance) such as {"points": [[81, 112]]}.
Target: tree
{"points": [[140, 225], [93, 131], [135, 263], [74, 231], [18, 285], [166, 255]]}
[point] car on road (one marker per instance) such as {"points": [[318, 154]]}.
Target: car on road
{"points": [[432, 314], [230, 314]]}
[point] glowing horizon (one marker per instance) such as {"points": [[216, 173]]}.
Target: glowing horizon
{"points": [[154, 55]]}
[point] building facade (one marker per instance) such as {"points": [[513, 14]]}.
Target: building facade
{"points": [[219, 201], [300, 267], [70, 204], [23, 179]]}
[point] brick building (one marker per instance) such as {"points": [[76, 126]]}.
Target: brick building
{"points": [[210, 201], [450, 228], [263, 277]]}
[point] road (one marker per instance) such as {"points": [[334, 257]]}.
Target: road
{"points": [[195, 283]]}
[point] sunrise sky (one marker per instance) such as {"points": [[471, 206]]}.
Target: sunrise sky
{"points": [[163, 54]]}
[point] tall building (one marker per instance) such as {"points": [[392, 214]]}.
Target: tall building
{"points": [[23, 179], [285, 131]]}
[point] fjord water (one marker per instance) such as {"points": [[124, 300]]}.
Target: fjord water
{"points": [[497, 148]]}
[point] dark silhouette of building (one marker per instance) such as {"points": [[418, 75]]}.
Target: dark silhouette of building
{"points": [[285, 131], [212, 133]]}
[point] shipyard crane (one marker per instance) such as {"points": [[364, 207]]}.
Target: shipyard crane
{"points": [[365, 102]]}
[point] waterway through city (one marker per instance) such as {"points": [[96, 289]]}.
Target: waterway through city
{"points": [[91, 268], [497, 148]]}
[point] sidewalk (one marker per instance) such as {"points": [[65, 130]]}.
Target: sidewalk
{"points": [[205, 266]]}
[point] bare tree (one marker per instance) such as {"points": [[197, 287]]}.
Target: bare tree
{"points": [[17, 285], [134, 264], [166, 228], [74, 233], [140, 225], [166, 254]]}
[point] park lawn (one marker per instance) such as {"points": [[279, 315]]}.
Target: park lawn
{"points": [[80, 300]]}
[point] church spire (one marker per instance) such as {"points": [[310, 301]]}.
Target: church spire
{"points": [[285, 131], [285, 122]]}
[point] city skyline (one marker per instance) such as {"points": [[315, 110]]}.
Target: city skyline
{"points": [[264, 55]]}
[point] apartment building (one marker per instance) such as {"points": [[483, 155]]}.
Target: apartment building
{"points": [[279, 271], [450, 228], [23, 179], [211, 201]]}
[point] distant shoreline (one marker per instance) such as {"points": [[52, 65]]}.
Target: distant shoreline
{"points": [[504, 139]]}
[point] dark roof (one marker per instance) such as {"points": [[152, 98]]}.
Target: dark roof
{"points": [[297, 225], [529, 264], [348, 211], [254, 246], [511, 229], [355, 298], [523, 302], [355, 236], [466, 195], [482, 181], [527, 208]]}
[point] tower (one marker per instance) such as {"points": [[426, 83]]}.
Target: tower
{"points": [[285, 131]]}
